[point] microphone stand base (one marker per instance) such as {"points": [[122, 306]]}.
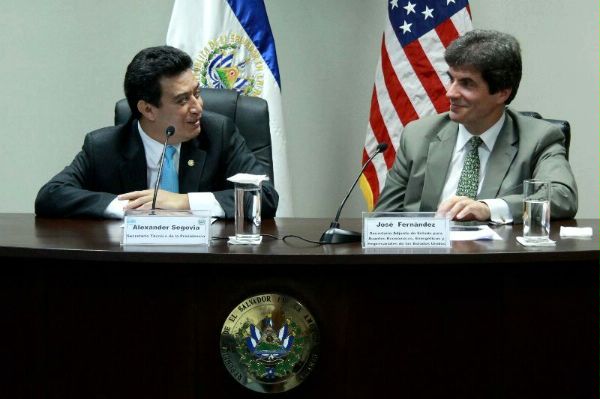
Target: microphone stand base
{"points": [[340, 236]]}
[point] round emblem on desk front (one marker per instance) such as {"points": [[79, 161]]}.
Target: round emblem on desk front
{"points": [[269, 343]]}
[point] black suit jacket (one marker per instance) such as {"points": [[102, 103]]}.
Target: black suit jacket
{"points": [[112, 161]]}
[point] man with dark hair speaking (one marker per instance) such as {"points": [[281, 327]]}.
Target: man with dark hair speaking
{"points": [[470, 162], [118, 165]]}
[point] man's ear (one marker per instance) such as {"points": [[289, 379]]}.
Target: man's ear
{"points": [[503, 94], [147, 110]]}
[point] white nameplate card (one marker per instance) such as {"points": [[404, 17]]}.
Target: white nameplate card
{"points": [[405, 230], [163, 227]]}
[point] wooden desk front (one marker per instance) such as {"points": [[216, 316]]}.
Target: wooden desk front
{"points": [[84, 317]]}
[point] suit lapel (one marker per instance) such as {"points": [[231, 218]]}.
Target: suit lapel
{"points": [[438, 163], [133, 170], [191, 163], [500, 160]]}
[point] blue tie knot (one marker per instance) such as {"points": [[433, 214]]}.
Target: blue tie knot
{"points": [[170, 152]]}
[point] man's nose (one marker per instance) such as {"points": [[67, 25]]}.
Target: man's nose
{"points": [[451, 91], [197, 105]]}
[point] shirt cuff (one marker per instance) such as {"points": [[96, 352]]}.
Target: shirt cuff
{"points": [[206, 201], [114, 210], [499, 211]]}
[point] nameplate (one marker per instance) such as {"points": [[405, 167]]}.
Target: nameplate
{"points": [[405, 230], [163, 227]]}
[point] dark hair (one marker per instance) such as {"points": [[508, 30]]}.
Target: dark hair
{"points": [[496, 55], [142, 79]]}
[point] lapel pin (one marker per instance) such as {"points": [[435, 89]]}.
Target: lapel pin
{"points": [[191, 162]]}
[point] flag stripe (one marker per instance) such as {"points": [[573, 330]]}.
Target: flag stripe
{"points": [[371, 175], [366, 190], [435, 55], [446, 32], [426, 74], [462, 21], [387, 109], [414, 90], [404, 108], [378, 164], [380, 131]]}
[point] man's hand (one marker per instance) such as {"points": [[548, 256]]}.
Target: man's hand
{"points": [[464, 208], [164, 200]]}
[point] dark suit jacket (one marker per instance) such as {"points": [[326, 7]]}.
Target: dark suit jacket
{"points": [[526, 148], [112, 161]]}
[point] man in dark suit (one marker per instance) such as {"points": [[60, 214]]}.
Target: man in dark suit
{"points": [[118, 166], [500, 146]]}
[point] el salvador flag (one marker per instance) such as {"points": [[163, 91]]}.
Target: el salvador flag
{"points": [[232, 46]]}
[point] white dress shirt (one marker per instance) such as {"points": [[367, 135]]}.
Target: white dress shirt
{"points": [[153, 150], [500, 213]]}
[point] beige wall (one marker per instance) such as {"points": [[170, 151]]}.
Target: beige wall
{"points": [[63, 63]]}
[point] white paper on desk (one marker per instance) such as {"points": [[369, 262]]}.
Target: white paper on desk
{"points": [[246, 178], [483, 232], [566, 232]]}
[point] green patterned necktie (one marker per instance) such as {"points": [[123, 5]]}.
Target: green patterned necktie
{"points": [[469, 177]]}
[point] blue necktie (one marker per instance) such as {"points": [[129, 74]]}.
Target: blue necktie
{"points": [[169, 181]]}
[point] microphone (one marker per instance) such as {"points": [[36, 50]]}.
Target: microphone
{"points": [[168, 133], [335, 235]]}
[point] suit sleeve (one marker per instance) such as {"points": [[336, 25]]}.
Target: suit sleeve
{"points": [[550, 164], [239, 159], [69, 193]]}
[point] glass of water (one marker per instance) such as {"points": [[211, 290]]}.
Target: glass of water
{"points": [[247, 212], [536, 210]]}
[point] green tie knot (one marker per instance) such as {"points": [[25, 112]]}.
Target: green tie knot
{"points": [[475, 142]]}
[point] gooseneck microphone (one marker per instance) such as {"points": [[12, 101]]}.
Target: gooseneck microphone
{"points": [[168, 133], [335, 235]]}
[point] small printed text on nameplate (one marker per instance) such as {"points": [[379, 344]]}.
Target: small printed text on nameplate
{"points": [[403, 230], [167, 229]]}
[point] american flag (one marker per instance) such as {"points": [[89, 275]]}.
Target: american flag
{"points": [[411, 77]]}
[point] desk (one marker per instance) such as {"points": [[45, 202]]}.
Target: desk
{"points": [[84, 317]]}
